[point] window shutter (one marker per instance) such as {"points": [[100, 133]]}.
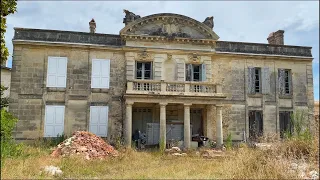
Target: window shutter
{"points": [[203, 72], [61, 72], [251, 79], [180, 71], [54, 121], [51, 72], [265, 80], [95, 74], [105, 74], [281, 80], [290, 82], [99, 120], [188, 72]]}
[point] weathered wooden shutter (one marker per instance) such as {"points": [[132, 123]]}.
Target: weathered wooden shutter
{"points": [[251, 79], [188, 72], [203, 72], [265, 80], [180, 70], [281, 80]]}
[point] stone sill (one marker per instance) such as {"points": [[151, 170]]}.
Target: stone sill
{"points": [[100, 90], [55, 89], [285, 96], [258, 95]]}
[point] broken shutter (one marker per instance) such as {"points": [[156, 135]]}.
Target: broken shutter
{"points": [[203, 72], [188, 72], [265, 80], [281, 80], [251, 79]]}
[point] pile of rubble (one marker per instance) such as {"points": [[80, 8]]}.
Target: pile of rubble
{"points": [[86, 144], [175, 151]]}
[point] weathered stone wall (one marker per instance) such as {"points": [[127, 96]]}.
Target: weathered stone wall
{"points": [[29, 93], [231, 72]]}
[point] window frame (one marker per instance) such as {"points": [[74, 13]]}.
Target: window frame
{"points": [[287, 84], [286, 126], [193, 72], [143, 70]]}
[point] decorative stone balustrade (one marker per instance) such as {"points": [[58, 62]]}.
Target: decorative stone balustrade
{"points": [[173, 88]]}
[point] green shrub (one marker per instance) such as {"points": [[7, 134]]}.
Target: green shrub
{"points": [[8, 122], [229, 141]]}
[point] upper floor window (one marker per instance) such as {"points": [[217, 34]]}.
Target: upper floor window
{"points": [[57, 72], [144, 70], [100, 75], [285, 81], [257, 80], [195, 72]]}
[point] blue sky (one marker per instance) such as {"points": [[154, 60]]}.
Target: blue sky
{"points": [[248, 21]]}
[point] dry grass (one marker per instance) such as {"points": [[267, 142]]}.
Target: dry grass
{"points": [[242, 163]]}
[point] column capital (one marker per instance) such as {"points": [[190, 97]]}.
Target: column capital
{"points": [[163, 104], [187, 104], [129, 103]]}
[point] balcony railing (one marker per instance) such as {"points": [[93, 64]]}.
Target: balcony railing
{"points": [[173, 88]]}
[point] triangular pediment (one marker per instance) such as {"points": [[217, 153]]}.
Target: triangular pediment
{"points": [[170, 26]]}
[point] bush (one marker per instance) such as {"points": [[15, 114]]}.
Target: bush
{"points": [[229, 141]]}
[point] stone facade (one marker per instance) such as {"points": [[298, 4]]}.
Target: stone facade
{"points": [[169, 42]]}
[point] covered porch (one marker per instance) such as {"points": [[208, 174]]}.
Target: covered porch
{"points": [[162, 121]]}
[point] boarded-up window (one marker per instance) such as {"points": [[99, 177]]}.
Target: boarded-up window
{"points": [[285, 123], [285, 81], [57, 72], [255, 125], [100, 76]]}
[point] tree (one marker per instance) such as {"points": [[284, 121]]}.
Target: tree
{"points": [[4, 100], [7, 7]]}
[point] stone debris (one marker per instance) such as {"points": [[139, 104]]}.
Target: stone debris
{"points": [[173, 149], [301, 170], [212, 153], [85, 143], [54, 171], [263, 146]]}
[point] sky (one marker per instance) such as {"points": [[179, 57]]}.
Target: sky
{"points": [[246, 21]]}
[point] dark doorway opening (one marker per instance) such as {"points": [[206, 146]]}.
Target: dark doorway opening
{"points": [[255, 125]]}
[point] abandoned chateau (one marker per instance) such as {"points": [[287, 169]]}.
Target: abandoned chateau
{"points": [[165, 75]]}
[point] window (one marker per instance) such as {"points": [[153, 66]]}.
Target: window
{"points": [[195, 72], [54, 121], [99, 120], [257, 80], [100, 75], [144, 70], [255, 125], [285, 123], [285, 81], [57, 72]]}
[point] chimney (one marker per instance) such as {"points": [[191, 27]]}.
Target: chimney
{"points": [[92, 26], [276, 37]]}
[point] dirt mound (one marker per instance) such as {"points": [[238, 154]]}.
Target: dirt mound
{"points": [[85, 143]]}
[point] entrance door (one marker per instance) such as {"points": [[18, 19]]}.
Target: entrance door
{"points": [[140, 118], [196, 121], [255, 124]]}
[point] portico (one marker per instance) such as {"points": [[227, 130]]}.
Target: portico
{"points": [[161, 116]]}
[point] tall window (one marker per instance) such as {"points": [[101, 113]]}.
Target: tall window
{"points": [[285, 123], [195, 72], [257, 80], [255, 124], [57, 72], [285, 81], [144, 70]]}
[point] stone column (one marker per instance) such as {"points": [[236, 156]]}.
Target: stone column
{"points": [[187, 133], [219, 125], [163, 131], [210, 116], [128, 124]]}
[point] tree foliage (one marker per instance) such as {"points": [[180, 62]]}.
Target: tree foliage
{"points": [[7, 7], [4, 100]]}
